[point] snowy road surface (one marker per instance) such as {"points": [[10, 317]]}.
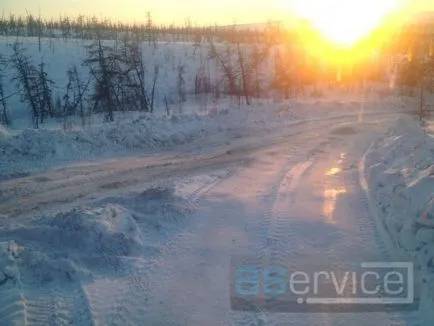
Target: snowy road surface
{"points": [[118, 254]]}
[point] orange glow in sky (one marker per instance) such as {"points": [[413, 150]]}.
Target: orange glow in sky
{"points": [[344, 21], [352, 19]]}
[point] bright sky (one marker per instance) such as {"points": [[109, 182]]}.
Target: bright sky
{"points": [[164, 11], [177, 11]]}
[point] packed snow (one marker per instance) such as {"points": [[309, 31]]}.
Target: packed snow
{"points": [[400, 174]]}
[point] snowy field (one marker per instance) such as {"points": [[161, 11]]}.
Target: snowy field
{"points": [[134, 222]]}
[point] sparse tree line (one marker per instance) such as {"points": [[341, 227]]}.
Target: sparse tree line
{"points": [[90, 27], [239, 68], [117, 81], [120, 79]]}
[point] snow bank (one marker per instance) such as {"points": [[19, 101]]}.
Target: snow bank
{"points": [[3, 131], [400, 175], [28, 150], [73, 245], [59, 254], [8, 266], [36, 149]]}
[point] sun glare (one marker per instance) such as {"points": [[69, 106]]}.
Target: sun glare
{"points": [[344, 21]]}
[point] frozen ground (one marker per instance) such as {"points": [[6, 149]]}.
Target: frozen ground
{"points": [[146, 238]]}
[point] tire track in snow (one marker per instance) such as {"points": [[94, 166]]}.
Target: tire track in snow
{"points": [[277, 237], [300, 158], [370, 231], [50, 305], [117, 301], [105, 301], [272, 233], [102, 302], [194, 199], [268, 231], [279, 241], [13, 307]]}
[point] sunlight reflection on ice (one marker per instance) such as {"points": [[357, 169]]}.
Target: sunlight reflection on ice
{"points": [[333, 171], [331, 193], [330, 198]]}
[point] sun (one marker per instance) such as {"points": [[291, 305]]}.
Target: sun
{"points": [[343, 21]]}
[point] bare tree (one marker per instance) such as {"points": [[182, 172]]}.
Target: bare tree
{"points": [[244, 74], [26, 77], [202, 83], [75, 92], [229, 73], [282, 80], [154, 84], [418, 73], [45, 95], [426, 76], [39, 31], [135, 73], [150, 31], [4, 116], [182, 94], [240, 68], [257, 57], [167, 105], [103, 63]]}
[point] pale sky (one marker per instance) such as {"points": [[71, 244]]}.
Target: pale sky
{"points": [[168, 11]]}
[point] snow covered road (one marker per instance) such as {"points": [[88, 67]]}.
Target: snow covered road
{"points": [[301, 200], [293, 193]]}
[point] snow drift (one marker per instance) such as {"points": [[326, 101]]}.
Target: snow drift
{"points": [[56, 256], [400, 176], [33, 149]]}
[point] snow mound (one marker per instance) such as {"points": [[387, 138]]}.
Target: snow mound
{"points": [[426, 216], [111, 235], [156, 210], [44, 147], [3, 132], [8, 267], [107, 230], [400, 175]]}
